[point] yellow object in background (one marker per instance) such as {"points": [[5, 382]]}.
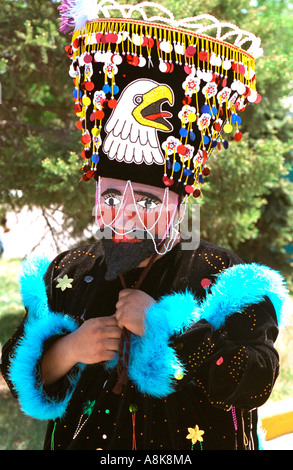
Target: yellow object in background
{"points": [[277, 418]]}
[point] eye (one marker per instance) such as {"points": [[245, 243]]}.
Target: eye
{"points": [[111, 200], [147, 204], [138, 99]]}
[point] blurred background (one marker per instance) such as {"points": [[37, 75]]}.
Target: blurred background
{"points": [[248, 201]]}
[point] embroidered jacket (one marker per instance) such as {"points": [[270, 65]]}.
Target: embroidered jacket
{"points": [[206, 362]]}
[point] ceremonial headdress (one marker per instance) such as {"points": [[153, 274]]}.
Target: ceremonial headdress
{"points": [[154, 96]]}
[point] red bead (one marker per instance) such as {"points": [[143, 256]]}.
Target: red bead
{"points": [[187, 69], [89, 86], [86, 139], [112, 103], [190, 51], [135, 61], [182, 150], [108, 37], [189, 189], [217, 126], [171, 68], [168, 181], [220, 361], [196, 193], [238, 136], [76, 43], [204, 156], [90, 174], [241, 69], [258, 99], [99, 115], [205, 283], [186, 100], [151, 42], [203, 55], [85, 154], [145, 41], [77, 108], [88, 58], [206, 171]]}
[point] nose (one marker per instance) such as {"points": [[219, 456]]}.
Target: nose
{"points": [[125, 221]]}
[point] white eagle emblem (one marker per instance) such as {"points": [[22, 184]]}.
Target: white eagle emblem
{"points": [[133, 125]]}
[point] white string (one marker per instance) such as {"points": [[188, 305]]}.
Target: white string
{"points": [[171, 226]]}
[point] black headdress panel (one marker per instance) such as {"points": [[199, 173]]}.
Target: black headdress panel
{"points": [[153, 102]]}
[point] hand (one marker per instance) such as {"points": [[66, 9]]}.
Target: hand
{"points": [[96, 340], [131, 308]]}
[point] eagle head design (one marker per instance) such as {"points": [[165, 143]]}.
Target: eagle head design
{"points": [[133, 125]]}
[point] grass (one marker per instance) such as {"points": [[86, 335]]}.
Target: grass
{"points": [[19, 432]]}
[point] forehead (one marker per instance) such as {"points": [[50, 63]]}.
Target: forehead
{"points": [[120, 185]]}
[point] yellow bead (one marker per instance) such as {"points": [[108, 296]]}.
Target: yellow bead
{"points": [[191, 117], [95, 131], [178, 375], [86, 100], [228, 128]]}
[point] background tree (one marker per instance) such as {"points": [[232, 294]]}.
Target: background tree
{"points": [[248, 201]]}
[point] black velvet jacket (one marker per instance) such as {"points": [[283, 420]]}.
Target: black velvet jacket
{"points": [[227, 372]]}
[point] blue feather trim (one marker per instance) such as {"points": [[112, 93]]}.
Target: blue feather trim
{"points": [[240, 286], [153, 363], [41, 324], [32, 286]]}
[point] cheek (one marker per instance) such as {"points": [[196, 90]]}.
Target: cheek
{"points": [[105, 216], [158, 222]]}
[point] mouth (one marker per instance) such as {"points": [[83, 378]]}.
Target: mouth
{"points": [[149, 112], [123, 237], [154, 113]]}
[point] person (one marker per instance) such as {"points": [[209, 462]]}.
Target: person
{"points": [[4, 229], [137, 341]]}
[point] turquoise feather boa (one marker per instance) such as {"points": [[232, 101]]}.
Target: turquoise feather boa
{"points": [[41, 324], [154, 363]]}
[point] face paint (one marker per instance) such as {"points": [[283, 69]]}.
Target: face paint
{"points": [[136, 212]]}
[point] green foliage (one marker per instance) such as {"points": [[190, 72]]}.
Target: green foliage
{"points": [[247, 203]]}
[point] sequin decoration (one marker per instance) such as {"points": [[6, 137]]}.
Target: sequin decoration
{"points": [[87, 411], [64, 283], [195, 434], [133, 409]]}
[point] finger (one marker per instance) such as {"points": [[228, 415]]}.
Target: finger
{"points": [[112, 344], [109, 355], [125, 292], [109, 321], [113, 332]]}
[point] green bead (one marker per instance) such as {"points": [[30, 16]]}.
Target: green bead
{"points": [[133, 408]]}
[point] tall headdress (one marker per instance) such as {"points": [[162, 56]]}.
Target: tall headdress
{"points": [[155, 96]]}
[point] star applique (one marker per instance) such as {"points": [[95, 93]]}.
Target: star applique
{"points": [[64, 283], [195, 434]]}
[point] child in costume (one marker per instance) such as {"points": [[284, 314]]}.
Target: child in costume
{"points": [[136, 342]]}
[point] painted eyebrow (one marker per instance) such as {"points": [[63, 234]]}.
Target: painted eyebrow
{"points": [[150, 195], [140, 193], [112, 191]]}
